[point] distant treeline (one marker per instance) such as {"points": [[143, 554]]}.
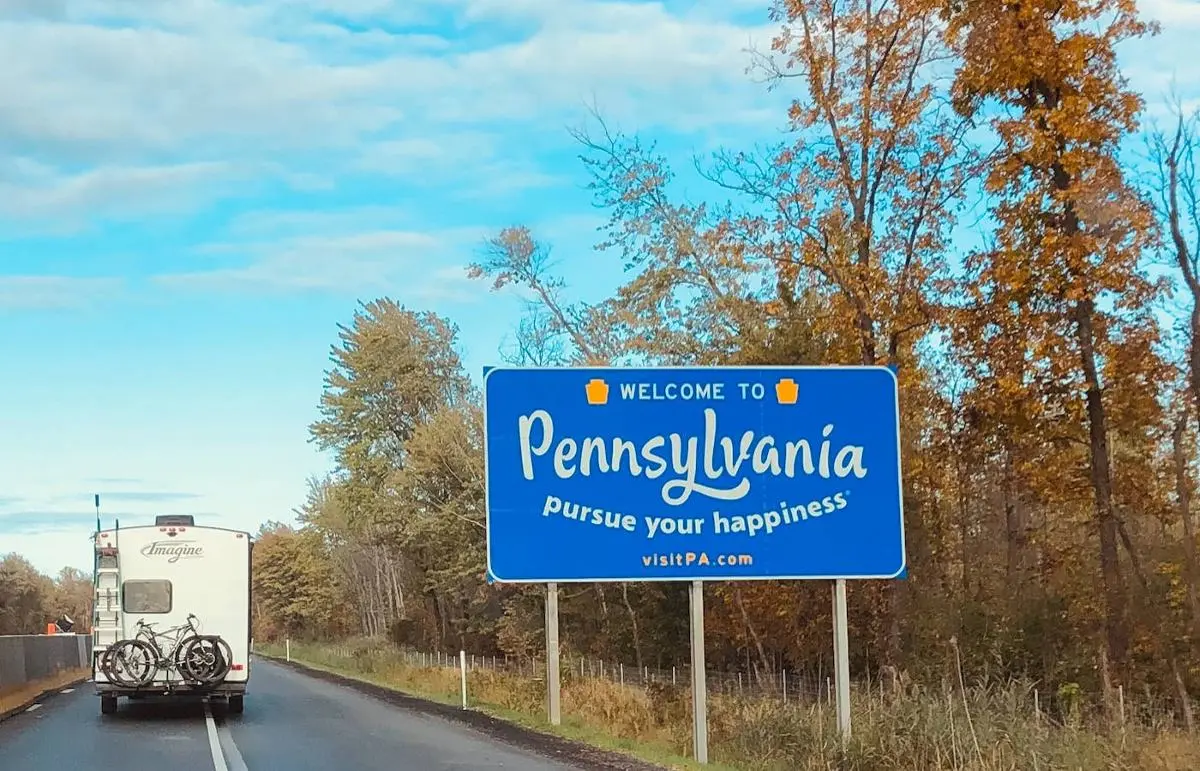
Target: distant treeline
{"points": [[29, 599]]}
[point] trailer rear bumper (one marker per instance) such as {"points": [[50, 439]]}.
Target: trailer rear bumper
{"points": [[221, 690]]}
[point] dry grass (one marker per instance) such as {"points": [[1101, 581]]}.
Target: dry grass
{"points": [[15, 697], [991, 729]]}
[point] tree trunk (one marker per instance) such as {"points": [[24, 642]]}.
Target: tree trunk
{"points": [[964, 529], [637, 638], [605, 621], [889, 591], [1183, 499], [764, 661], [1116, 620], [1185, 699], [399, 590], [1014, 524], [1194, 353]]}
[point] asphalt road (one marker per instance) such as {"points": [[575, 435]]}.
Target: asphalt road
{"points": [[291, 722]]}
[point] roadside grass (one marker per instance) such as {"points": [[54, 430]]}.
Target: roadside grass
{"points": [[985, 729]]}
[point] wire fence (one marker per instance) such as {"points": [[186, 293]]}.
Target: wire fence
{"points": [[786, 686]]}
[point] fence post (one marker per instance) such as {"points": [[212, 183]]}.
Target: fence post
{"points": [[462, 666]]}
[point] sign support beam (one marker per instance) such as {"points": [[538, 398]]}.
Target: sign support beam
{"points": [[553, 670], [699, 679], [841, 657]]}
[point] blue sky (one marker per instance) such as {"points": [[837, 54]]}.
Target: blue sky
{"points": [[194, 193]]}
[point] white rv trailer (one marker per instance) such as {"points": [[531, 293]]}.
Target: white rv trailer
{"points": [[167, 575]]}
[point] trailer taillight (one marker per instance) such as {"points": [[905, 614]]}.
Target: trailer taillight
{"points": [[237, 667]]}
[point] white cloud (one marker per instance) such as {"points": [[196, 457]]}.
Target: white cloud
{"points": [[34, 191], [455, 92], [97, 91], [1175, 13], [414, 263], [106, 87], [471, 164], [290, 223], [35, 9], [1161, 67], [37, 292], [89, 94]]}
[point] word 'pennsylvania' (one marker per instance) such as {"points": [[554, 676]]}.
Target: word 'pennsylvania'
{"points": [[605, 455]]}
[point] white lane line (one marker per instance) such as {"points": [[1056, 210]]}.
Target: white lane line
{"points": [[214, 742], [34, 708], [67, 690], [236, 762]]}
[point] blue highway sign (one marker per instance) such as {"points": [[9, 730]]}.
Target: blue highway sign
{"points": [[692, 473]]}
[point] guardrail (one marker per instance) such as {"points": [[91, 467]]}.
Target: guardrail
{"points": [[32, 664]]}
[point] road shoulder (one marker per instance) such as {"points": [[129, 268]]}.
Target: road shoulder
{"points": [[16, 700], [546, 745]]}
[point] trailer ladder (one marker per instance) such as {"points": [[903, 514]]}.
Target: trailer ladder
{"points": [[106, 618]]}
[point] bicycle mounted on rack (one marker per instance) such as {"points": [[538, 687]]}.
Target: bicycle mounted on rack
{"points": [[200, 660]]}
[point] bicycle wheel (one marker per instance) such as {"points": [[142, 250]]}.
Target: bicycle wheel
{"points": [[130, 663], [204, 659], [179, 657], [209, 659]]}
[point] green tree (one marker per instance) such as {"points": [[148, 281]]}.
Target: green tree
{"points": [[25, 596], [296, 591]]}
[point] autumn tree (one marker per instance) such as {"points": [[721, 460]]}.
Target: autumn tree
{"points": [[295, 591], [856, 206], [1070, 232], [688, 300], [393, 370], [25, 597], [73, 596]]}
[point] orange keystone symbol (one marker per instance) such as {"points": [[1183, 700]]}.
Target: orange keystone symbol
{"points": [[597, 391], [786, 391]]}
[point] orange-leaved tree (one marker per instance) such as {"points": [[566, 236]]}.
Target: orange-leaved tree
{"points": [[859, 201], [1070, 232]]}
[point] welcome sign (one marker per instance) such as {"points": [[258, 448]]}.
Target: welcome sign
{"points": [[705, 473]]}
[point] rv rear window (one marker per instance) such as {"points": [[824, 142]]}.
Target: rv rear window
{"points": [[147, 596]]}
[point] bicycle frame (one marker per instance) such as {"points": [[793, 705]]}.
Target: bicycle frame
{"points": [[176, 635]]}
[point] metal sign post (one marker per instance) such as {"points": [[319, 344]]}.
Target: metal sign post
{"points": [[841, 658], [553, 671], [699, 678]]}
